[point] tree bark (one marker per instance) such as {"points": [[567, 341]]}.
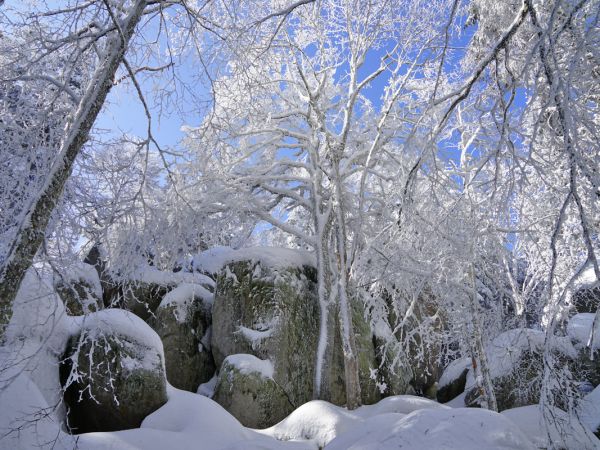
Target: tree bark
{"points": [[33, 228]]}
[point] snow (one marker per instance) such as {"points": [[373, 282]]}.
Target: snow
{"points": [[212, 260], [505, 351], [248, 364], [453, 371], [566, 432], [25, 422], [580, 327], [434, 428], [38, 332], [183, 295]]}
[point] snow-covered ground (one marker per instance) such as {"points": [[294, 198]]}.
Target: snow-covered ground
{"points": [[192, 421]]}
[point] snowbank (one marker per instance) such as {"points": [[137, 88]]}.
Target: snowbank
{"points": [[212, 260]]}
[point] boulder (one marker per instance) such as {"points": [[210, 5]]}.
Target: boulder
{"points": [[80, 289], [183, 322], [272, 313], [246, 388], [113, 373], [516, 367]]}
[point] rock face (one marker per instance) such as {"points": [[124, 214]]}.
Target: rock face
{"points": [[271, 313], [80, 289], [246, 389], [113, 371], [183, 322]]}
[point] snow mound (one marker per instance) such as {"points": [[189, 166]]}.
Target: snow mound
{"points": [[212, 260], [183, 295], [248, 364], [566, 431], [36, 337], [316, 421], [435, 428], [25, 422], [579, 329]]}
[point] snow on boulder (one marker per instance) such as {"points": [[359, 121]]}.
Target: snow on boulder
{"points": [[565, 431], [113, 372], [515, 360], [214, 259], [183, 322], [438, 428], [245, 387], [453, 380], [79, 287]]}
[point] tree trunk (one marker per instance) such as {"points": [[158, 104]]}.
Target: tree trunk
{"points": [[33, 228]]}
